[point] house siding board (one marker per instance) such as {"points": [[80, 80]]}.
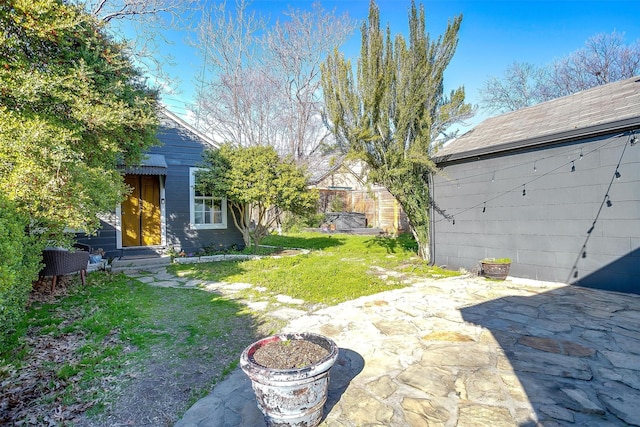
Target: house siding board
{"points": [[544, 231], [104, 238]]}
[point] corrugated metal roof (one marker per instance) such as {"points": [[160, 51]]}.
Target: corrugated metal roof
{"points": [[607, 108], [151, 164]]}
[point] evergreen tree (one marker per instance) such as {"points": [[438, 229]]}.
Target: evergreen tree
{"points": [[396, 112], [71, 106]]}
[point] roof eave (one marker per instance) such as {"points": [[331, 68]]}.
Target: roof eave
{"points": [[179, 121], [571, 135]]}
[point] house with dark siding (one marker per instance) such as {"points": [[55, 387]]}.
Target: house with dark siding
{"points": [[555, 187], [163, 210]]}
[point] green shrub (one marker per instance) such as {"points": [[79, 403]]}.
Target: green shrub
{"points": [[19, 267], [497, 260]]}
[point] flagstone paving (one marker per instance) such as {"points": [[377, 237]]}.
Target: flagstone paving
{"points": [[460, 352]]}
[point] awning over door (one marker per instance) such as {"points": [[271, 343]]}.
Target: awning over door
{"points": [[151, 164]]}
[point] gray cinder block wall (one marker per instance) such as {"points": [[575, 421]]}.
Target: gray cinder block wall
{"points": [[529, 206]]}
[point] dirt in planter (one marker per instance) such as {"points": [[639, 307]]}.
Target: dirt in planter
{"points": [[291, 354]]}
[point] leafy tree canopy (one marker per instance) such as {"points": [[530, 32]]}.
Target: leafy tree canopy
{"points": [[395, 113], [258, 185], [72, 106]]}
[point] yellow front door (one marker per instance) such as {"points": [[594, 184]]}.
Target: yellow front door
{"points": [[141, 211]]}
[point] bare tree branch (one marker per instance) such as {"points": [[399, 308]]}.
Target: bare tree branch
{"points": [[265, 85], [149, 19], [517, 89], [605, 58], [298, 46]]}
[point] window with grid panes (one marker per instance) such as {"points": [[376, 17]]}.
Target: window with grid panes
{"points": [[207, 211]]}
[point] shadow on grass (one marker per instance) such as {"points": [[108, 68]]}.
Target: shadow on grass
{"points": [[213, 271], [404, 241], [315, 242], [180, 340]]}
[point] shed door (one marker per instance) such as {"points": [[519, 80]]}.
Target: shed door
{"points": [[141, 211]]}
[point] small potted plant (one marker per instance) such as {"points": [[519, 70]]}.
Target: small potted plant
{"points": [[290, 376], [495, 268]]}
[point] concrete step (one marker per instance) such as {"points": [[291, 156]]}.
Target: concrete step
{"points": [[131, 263]]}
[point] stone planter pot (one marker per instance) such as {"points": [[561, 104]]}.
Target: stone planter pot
{"points": [[495, 270], [291, 397]]}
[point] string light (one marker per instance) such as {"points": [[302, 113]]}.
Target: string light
{"points": [[588, 152], [484, 208], [606, 200], [633, 139]]}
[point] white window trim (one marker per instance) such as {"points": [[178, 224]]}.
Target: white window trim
{"points": [[192, 194]]}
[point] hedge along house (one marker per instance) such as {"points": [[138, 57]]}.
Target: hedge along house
{"points": [[555, 187], [163, 210]]}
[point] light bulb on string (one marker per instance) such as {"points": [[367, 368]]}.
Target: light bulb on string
{"points": [[584, 253], [575, 274], [534, 166], [573, 166], [524, 190], [609, 203], [581, 156], [453, 220], [633, 139], [618, 174], [484, 207]]}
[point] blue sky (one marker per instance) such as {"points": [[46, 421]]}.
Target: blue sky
{"points": [[493, 35]]}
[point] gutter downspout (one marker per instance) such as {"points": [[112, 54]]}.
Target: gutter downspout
{"points": [[432, 231]]}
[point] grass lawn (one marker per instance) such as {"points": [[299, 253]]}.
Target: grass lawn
{"points": [[81, 350], [76, 352], [339, 267]]}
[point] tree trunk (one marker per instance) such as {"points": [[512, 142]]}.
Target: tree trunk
{"points": [[239, 214], [413, 195], [258, 234], [422, 238], [246, 237]]}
